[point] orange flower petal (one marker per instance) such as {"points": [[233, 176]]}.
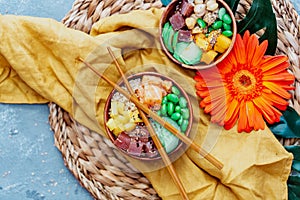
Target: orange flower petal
{"points": [[262, 105], [227, 64], [269, 62], [270, 113], [246, 37], [230, 120], [219, 116], [281, 67], [203, 105], [231, 108], [216, 92], [198, 77], [271, 97], [277, 90], [228, 124], [243, 120], [200, 94], [251, 47], [215, 106], [212, 99], [250, 113], [259, 53], [288, 87], [209, 73], [259, 122], [239, 50], [279, 77], [215, 83], [277, 101], [269, 118]]}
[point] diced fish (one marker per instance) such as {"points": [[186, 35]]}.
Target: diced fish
{"points": [[153, 95], [184, 36], [177, 21], [186, 8], [123, 141], [135, 147]]}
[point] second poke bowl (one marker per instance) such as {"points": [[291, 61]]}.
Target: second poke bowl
{"points": [[197, 34]]}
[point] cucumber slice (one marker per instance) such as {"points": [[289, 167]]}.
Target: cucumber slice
{"points": [[189, 53]]}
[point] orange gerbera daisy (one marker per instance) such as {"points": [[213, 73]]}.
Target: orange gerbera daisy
{"points": [[246, 87]]}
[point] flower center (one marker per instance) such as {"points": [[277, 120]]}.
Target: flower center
{"points": [[244, 82]]}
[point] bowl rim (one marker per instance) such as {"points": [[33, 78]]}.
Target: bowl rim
{"points": [[112, 137], [163, 19]]}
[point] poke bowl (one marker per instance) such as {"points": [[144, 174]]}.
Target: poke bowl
{"points": [[197, 34], [163, 96]]}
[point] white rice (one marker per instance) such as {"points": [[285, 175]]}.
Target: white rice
{"points": [[135, 84]]}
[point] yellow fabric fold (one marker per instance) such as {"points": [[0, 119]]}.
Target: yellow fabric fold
{"points": [[38, 64]]}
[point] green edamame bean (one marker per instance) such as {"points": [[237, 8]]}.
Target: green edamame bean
{"points": [[217, 25], [179, 122], [182, 102], [185, 113], [226, 26], [201, 23], [175, 90], [227, 19], [163, 110], [173, 98], [159, 113], [178, 109], [175, 116], [170, 108], [184, 125], [227, 33], [221, 13], [164, 100]]}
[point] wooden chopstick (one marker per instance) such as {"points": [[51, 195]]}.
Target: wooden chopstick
{"points": [[158, 119], [153, 135]]}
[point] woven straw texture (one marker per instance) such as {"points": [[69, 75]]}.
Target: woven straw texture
{"points": [[93, 159]]}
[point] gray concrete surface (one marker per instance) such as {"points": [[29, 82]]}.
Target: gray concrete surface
{"points": [[31, 167]]}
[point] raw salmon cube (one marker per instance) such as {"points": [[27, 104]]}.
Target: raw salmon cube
{"points": [[153, 95]]}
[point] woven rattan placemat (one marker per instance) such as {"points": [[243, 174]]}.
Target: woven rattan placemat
{"points": [[93, 159]]}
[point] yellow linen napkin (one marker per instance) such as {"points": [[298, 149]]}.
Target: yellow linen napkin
{"points": [[38, 63]]}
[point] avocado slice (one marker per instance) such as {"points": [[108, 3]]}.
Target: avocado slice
{"points": [[168, 140], [180, 46], [170, 35], [165, 30], [175, 39]]}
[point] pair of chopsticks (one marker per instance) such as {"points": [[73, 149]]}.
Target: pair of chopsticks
{"points": [[144, 109]]}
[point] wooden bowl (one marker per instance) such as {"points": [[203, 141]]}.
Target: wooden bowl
{"points": [[113, 137], [169, 11]]}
